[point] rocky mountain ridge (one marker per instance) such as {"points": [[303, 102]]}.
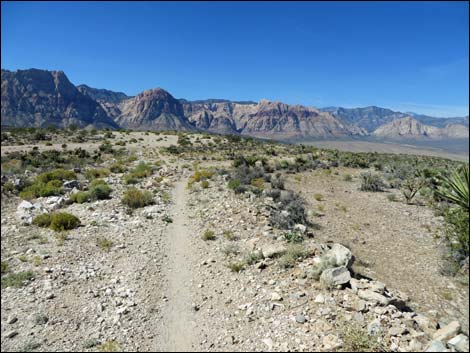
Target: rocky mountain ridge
{"points": [[42, 98]]}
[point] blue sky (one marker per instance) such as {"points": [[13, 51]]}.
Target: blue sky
{"points": [[407, 56]]}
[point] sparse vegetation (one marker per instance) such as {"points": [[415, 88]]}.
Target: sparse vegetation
{"points": [[208, 235], [371, 182], [135, 198]]}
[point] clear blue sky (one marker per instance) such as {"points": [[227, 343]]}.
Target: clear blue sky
{"points": [[405, 56]]}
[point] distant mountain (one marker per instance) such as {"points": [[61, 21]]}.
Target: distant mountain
{"points": [[42, 98], [370, 118], [153, 109], [409, 127], [103, 95], [266, 119]]}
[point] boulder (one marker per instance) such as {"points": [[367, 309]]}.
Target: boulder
{"points": [[341, 254], [300, 228], [459, 343], [447, 332], [273, 250], [374, 297], [71, 184], [334, 277], [436, 346], [426, 324]]}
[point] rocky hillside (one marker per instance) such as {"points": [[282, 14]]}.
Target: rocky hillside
{"points": [[103, 95], [411, 128], [42, 98], [371, 118], [267, 119], [153, 109]]}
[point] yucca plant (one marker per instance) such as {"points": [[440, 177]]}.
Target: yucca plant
{"points": [[455, 187]]}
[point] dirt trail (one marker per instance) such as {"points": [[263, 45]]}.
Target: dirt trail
{"points": [[178, 326]]}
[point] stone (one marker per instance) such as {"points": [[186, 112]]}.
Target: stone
{"points": [[374, 297], [268, 342], [71, 184], [273, 250], [331, 342], [334, 277], [377, 287], [425, 324], [11, 334], [374, 327], [341, 254], [25, 205], [436, 346], [12, 319], [320, 299], [397, 330], [300, 228], [300, 319], [459, 343], [447, 332], [276, 296]]}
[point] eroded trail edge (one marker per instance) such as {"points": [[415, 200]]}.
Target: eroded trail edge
{"points": [[178, 329]]}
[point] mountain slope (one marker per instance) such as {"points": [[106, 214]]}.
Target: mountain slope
{"points": [[411, 128], [267, 119], [153, 109], [42, 98]]}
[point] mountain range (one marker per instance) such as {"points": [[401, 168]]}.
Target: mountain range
{"points": [[42, 98]]}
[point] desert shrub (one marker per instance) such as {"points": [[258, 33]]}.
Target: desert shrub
{"points": [[294, 253], [357, 339], [99, 190], [109, 346], [233, 184], [4, 267], [135, 198], [63, 221], [291, 211], [208, 235], [277, 182], [142, 170], [293, 237], [118, 167], [411, 186], [16, 279], [57, 174], [129, 179], [347, 177], [318, 197], [80, 197], [97, 173], [204, 184], [392, 197], [253, 257], [456, 232], [371, 182], [258, 183], [236, 266], [42, 220], [106, 147], [104, 243], [39, 189], [317, 269], [229, 235], [231, 249]]}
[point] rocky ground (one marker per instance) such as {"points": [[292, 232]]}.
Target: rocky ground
{"points": [[201, 270]]}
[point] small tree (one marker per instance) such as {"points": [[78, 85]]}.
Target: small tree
{"points": [[411, 187]]}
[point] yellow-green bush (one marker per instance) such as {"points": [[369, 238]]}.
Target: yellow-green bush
{"points": [[63, 221], [135, 198]]}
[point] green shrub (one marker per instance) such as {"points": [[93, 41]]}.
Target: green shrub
{"points": [[142, 170], [42, 220], [80, 197], [253, 257], [135, 198], [63, 221], [4, 267], [293, 237], [57, 174], [129, 179], [16, 279], [236, 266], [371, 182], [456, 231], [233, 184], [91, 174], [204, 184], [39, 189], [347, 177], [99, 190], [294, 253], [208, 235]]}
